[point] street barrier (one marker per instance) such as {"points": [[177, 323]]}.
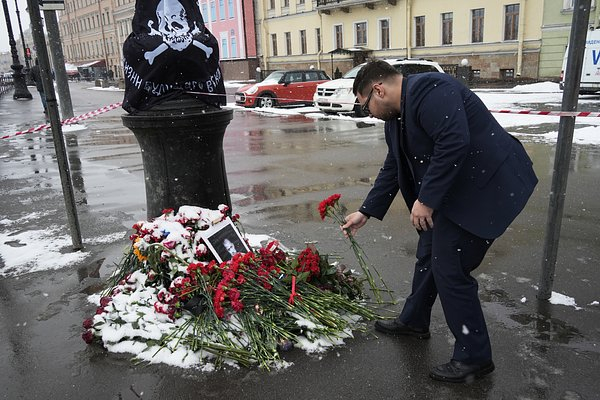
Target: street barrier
{"points": [[67, 121]]}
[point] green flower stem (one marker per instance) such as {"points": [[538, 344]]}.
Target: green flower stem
{"points": [[337, 214]]}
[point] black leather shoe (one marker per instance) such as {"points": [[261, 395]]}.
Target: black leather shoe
{"points": [[395, 327], [459, 372]]}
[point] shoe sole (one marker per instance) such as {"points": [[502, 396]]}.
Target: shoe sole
{"points": [[470, 377], [417, 335]]}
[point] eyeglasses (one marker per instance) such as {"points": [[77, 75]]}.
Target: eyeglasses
{"points": [[365, 107]]}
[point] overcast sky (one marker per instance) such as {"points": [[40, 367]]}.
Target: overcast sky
{"points": [[4, 46]]}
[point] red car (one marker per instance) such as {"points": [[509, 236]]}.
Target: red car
{"points": [[282, 88]]}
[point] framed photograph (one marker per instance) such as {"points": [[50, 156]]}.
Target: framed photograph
{"points": [[224, 240]]}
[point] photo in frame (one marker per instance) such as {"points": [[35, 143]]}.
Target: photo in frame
{"points": [[224, 240]]}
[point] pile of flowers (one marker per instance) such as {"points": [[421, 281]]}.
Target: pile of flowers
{"points": [[171, 301]]}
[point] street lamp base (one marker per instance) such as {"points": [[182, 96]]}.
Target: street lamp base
{"points": [[21, 91]]}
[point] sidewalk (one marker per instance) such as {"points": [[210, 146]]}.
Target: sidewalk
{"points": [[278, 169]]}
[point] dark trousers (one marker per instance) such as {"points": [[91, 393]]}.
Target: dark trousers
{"points": [[43, 100], [446, 255]]}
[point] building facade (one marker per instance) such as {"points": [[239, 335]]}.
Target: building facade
{"points": [[232, 23], [93, 32], [87, 29], [498, 38], [556, 29], [5, 62]]}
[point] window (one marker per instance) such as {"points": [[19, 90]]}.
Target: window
{"points": [[447, 28], [507, 73], [311, 76], [224, 46], [477, 25], [234, 53], [420, 31], [511, 22], [205, 15], [213, 11], [301, 2], [360, 34], [384, 34], [569, 4], [288, 43], [271, 4], [303, 42], [274, 43], [230, 8], [338, 37], [286, 3], [318, 36], [221, 9], [293, 77]]}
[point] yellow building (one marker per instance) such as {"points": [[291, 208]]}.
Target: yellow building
{"points": [[556, 29], [89, 37], [499, 39]]}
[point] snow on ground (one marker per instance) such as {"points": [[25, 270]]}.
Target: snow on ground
{"points": [[559, 298]]}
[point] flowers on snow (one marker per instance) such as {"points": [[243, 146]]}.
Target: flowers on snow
{"points": [[240, 308]]}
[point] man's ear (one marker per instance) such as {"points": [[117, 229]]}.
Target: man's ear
{"points": [[379, 90]]}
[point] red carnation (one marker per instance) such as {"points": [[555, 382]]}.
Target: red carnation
{"points": [[237, 306], [329, 202], [308, 261], [104, 301], [88, 323], [88, 336]]}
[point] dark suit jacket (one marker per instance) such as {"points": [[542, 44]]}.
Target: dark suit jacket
{"points": [[448, 151]]}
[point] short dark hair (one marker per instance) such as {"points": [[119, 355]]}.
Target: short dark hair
{"points": [[373, 71]]}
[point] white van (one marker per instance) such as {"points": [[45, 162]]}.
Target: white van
{"points": [[336, 96], [590, 73]]}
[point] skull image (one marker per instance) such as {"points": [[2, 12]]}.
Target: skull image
{"points": [[174, 29], [173, 24]]}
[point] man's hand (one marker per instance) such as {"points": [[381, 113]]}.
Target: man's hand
{"points": [[421, 216], [354, 222]]}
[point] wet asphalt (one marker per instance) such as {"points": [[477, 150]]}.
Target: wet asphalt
{"points": [[279, 168]]}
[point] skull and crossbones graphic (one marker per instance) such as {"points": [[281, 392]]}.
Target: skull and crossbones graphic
{"points": [[175, 30]]}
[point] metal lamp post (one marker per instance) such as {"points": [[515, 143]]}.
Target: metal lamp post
{"points": [[21, 91], [27, 66]]}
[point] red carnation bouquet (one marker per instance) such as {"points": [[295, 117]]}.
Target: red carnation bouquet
{"points": [[170, 293], [330, 207]]}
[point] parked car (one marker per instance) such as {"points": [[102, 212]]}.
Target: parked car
{"points": [[282, 88], [336, 96], [590, 69]]}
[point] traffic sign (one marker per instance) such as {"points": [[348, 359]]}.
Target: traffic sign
{"points": [[47, 5]]}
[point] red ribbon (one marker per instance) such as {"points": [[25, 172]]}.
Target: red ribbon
{"points": [[294, 294]]}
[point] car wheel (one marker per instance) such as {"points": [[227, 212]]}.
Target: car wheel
{"points": [[358, 112], [266, 101]]}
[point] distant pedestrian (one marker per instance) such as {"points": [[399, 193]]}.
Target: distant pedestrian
{"points": [[464, 180], [35, 76]]}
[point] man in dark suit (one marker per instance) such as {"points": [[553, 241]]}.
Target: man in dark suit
{"points": [[464, 180]]}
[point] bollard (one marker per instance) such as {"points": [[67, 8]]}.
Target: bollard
{"points": [[182, 151]]}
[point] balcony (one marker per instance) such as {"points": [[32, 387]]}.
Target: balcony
{"points": [[326, 6]]}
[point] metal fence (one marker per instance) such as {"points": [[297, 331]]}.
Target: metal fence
{"points": [[6, 84]]}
